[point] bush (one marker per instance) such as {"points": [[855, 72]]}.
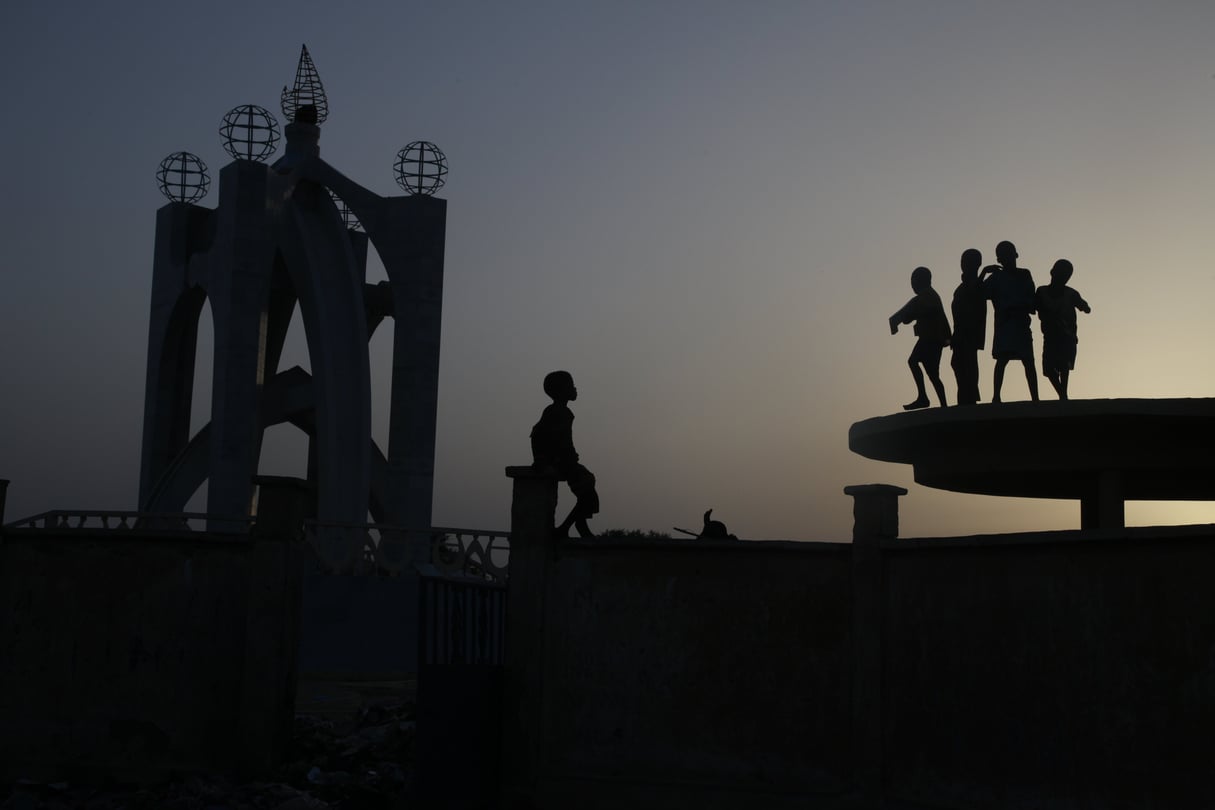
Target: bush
{"points": [[633, 534]]}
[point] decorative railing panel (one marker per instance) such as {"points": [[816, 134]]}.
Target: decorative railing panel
{"points": [[60, 519], [367, 549], [380, 550], [461, 620], [473, 553]]}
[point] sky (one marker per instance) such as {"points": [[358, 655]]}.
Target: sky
{"points": [[705, 211]]}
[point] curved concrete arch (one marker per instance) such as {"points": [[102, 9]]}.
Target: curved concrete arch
{"points": [[289, 399], [409, 234], [172, 353], [312, 240]]}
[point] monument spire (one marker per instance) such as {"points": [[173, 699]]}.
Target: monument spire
{"points": [[306, 92]]}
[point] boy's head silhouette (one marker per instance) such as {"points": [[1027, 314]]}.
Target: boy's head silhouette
{"points": [[1006, 254], [921, 279], [559, 385], [971, 259], [1061, 273]]}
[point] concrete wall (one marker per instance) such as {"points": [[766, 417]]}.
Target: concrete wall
{"points": [[664, 661], [1057, 670], [673, 674], [1052, 671], [131, 656]]}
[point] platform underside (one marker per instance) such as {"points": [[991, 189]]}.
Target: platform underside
{"points": [[1150, 449]]}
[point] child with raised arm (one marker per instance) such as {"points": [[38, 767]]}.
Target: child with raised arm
{"points": [[932, 330], [1057, 305], [553, 449]]}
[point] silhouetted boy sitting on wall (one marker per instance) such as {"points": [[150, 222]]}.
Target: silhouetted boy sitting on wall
{"points": [[969, 328], [1057, 305], [932, 327], [553, 449]]}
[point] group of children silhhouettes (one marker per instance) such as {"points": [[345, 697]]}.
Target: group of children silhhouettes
{"points": [[1014, 300]]}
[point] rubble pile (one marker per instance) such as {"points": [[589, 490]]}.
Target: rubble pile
{"points": [[361, 764]]}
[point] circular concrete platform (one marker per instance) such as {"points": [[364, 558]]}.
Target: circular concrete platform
{"points": [[1101, 452]]}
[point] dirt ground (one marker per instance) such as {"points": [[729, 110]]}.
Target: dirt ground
{"points": [[352, 748]]}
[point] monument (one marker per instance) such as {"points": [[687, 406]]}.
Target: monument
{"points": [[294, 233]]}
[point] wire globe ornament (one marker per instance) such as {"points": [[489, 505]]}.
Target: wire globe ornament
{"points": [[182, 177], [421, 168], [348, 218], [307, 90], [250, 133]]}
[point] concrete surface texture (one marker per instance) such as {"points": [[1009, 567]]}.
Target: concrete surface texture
{"points": [[131, 656]]}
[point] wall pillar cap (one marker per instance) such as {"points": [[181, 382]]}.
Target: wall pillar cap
{"points": [[531, 472], [285, 481], [874, 489]]}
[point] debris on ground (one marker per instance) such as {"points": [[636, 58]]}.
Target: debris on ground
{"points": [[365, 763]]}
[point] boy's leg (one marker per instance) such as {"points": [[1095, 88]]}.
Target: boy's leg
{"points": [[1062, 389], [939, 387], [576, 518], [1053, 377], [563, 530], [582, 484], [966, 368], [1052, 367], [932, 365], [1031, 377], [957, 361], [972, 372], [921, 400], [965, 364], [998, 379]]}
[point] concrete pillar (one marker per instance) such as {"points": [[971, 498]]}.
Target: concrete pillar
{"points": [[1106, 508], [239, 264], [875, 511], [413, 252], [181, 230], [270, 672], [533, 507], [282, 504]]}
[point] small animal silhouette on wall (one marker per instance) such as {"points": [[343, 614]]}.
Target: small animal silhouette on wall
{"points": [[713, 529]]}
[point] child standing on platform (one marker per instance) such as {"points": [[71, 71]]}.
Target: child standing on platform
{"points": [[1057, 304], [932, 329]]}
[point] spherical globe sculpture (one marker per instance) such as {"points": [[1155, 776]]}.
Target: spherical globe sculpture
{"points": [[183, 177], [250, 132], [421, 168]]}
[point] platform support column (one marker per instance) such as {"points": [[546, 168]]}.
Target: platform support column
{"points": [[1106, 508]]}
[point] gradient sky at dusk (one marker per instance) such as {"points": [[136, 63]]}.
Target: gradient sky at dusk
{"points": [[705, 211]]}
